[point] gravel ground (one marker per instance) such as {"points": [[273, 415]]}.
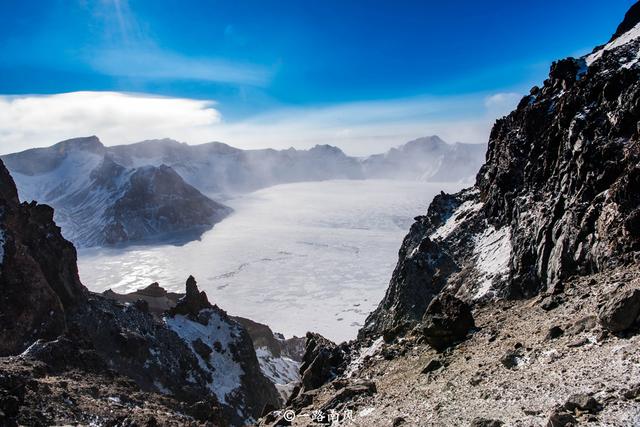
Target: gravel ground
{"points": [[475, 383]]}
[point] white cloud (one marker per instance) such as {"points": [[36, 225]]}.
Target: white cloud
{"points": [[502, 103], [30, 121], [358, 128]]}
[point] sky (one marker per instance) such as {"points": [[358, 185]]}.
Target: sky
{"points": [[361, 74]]}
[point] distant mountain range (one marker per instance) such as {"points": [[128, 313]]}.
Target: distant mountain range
{"points": [[162, 188], [216, 167]]}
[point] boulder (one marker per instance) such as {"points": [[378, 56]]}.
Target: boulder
{"points": [[582, 402], [486, 422], [362, 388], [433, 365], [554, 332], [621, 311], [561, 418], [446, 321]]}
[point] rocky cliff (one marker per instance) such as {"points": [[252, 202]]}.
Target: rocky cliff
{"points": [[515, 301], [38, 272], [555, 198], [71, 356]]}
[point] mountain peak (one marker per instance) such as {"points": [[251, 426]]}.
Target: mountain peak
{"points": [[631, 19], [88, 143], [326, 148], [428, 142]]}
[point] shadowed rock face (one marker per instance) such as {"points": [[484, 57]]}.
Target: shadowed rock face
{"points": [[157, 201], [556, 197], [38, 272]]}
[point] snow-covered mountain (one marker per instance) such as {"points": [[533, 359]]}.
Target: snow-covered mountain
{"points": [[427, 159], [98, 201], [152, 189], [217, 167]]}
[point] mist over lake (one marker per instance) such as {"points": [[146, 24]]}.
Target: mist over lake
{"points": [[298, 257]]}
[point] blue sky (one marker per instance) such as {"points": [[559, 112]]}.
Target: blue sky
{"points": [[261, 70]]}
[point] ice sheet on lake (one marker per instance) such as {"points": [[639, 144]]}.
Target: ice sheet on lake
{"points": [[297, 257]]}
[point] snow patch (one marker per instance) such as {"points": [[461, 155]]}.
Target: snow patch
{"points": [[365, 352], [161, 388], [457, 217], [625, 38], [225, 371], [493, 251], [282, 371]]}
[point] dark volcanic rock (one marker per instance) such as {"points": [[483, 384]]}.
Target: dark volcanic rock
{"points": [[561, 418], [433, 365], [362, 388], [193, 301], [582, 402], [554, 332], [323, 360], [485, 422], [446, 321], [38, 272], [631, 19], [158, 199], [621, 311], [420, 274]]}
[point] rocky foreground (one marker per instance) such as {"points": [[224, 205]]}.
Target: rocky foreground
{"points": [[546, 361]]}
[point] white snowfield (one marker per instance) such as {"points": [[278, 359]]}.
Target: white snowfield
{"points": [[224, 370], [493, 251], [623, 39]]}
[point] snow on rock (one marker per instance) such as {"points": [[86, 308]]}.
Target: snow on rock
{"points": [[219, 335], [282, 371], [457, 217], [493, 251], [625, 38], [365, 352]]}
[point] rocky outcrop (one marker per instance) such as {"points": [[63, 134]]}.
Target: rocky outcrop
{"points": [[156, 298], [446, 321], [555, 197], [38, 272], [322, 362], [278, 357]]}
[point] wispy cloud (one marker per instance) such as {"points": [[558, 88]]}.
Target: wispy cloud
{"points": [[503, 102], [358, 128], [154, 64], [129, 49]]}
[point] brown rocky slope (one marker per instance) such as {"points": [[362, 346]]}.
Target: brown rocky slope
{"points": [[69, 356]]}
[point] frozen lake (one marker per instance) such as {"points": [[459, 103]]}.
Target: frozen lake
{"points": [[307, 256]]}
